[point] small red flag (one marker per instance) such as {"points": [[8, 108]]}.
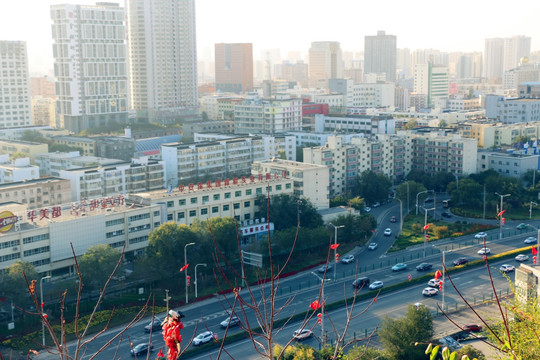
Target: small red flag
{"points": [[534, 250], [315, 305], [184, 267], [334, 246], [160, 354], [502, 212], [426, 227], [438, 274]]}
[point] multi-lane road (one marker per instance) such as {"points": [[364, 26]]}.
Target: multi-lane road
{"points": [[300, 290]]}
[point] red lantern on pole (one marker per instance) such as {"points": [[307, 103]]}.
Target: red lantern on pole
{"points": [[534, 260], [337, 257], [188, 280], [503, 221], [319, 318]]}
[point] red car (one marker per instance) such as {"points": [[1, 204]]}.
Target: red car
{"points": [[461, 261], [472, 328], [393, 219]]}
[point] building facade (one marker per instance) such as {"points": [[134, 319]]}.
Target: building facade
{"points": [[90, 65], [325, 62], [507, 164], [16, 170], [234, 67], [37, 193], [380, 55], [268, 116], [510, 111], [50, 164], [28, 147], [162, 57], [15, 109], [431, 80], [361, 124]]}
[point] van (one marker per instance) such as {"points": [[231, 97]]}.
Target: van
{"points": [[360, 283]]}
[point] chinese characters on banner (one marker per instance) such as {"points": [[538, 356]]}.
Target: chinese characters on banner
{"points": [[93, 204], [235, 181]]}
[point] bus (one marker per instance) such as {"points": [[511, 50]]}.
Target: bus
{"points": [[446, 203]]}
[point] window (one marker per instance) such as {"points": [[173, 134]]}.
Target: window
{"points": [[258, 191], [205, 199], [182, 202], [192, 213], [238, 193], [247, 216], [156, 213], [248, 192], [288, 186], [278, 187], [215, 209], [216, 196], [170, 204], [169, 217], [204, 211], [227, 195], [193, 200], [247, 204], [181, 215], [236, 205], [225, 207]]}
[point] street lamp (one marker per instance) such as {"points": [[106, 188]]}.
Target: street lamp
{"points": [[407, 183], [335, 242], [421, 192], [323, 301], [42, 308], [500, 211], [185, 263], [195, 281], [400, 214], [530, 208], [425, 228]]}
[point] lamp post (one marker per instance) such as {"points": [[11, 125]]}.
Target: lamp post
{"points": [[530, 208], [185, 263], [425, 228], [42, 308], [537, 240], [400, 214], [323, 301], [195, 281], [421, 192], [500, 211], [408, 211], [335, 242]]}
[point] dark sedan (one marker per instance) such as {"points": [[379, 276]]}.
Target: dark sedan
{"points": [[424, 267], [461, 261]]}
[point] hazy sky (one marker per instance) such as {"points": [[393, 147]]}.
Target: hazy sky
{"points": [[291, 25]]}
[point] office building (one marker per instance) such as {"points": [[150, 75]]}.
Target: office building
{"points": [[42, 86], [234, 67], [16, 170], [325, 62], [524, 73], [502, 54], [514, 164], [513, 110], [43, 111], [50, 164], [28, 147], [90, 65], [15, 107], [36, 193], [162, 57], [380, 55], [431, 80]]}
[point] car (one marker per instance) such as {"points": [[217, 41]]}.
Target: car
{"points": [[393, 219], [372, 246], [484, 251], [530, 240], [203, 338], [387, 232], [367, 209], [141, 349], [424, 266], [472, 328], [461, 261], [153, 325], [376, 285], [347, 259], [521, 226], [399, 267], [446, 215], [507, 268], [302, 334], [429, 291], [360, 282], [429, 200], [230, 321], [325, 268], [377, 204], [522, 258], [434, 283], [480, 235]]}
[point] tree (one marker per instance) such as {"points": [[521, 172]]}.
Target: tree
{"points": [[408, 192], [223, 230], [356, 227], [399, 335], [12, 282], [365, 353], [339, 200], [33, 135], [371, 186], [18, 155], [97, 264], [471, 352], [411, 124], [285, 210], [443, 123]]}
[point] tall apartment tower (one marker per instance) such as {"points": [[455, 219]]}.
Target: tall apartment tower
{"points": [[431, 80], [380, 53], [89, 53], [325, 62], [162, 57], [515, 48], [14, 85], [502, 54], [234, 67]]}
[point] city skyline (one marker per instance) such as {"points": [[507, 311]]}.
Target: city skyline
{"points": [[464, 27]]}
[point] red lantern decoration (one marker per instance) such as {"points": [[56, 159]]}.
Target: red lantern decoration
{"points": [[503, 221], [315, 305], [319, 318], [334, 246], [188, 280], [337, 258], [438, 275]]}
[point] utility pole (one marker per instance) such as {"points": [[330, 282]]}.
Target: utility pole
{"points": [[167, 298], [501, 213]]}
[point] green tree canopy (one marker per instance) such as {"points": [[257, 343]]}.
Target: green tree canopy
{"points": [[371, 186], [285, 210], [224, 232], [408, 192], [13, 284], [399, 335], [356, 227], [97, 264]]}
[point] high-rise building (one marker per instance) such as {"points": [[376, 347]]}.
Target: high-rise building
{"points": [[162, 57], [431, 80], [234, 67], [14, 85], [501, 55], [325, 62], [515, 48], [380, 55], [90, 65]]}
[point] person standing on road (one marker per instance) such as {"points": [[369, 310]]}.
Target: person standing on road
{"points": [[171, 334]]}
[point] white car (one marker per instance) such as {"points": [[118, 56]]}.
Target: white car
{"points": [[430, 291], [347, 259], [367, 209], [530, 240], [507, 268], [233, 320], [434, 283], [484, 251], [372, 246], [480, 235], [302, 334], [387, 232], [376, 285], [203, 338], [522, 258]]}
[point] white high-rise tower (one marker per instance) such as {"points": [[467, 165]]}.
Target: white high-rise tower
{"points": [[90, 65], [162, 57]]}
